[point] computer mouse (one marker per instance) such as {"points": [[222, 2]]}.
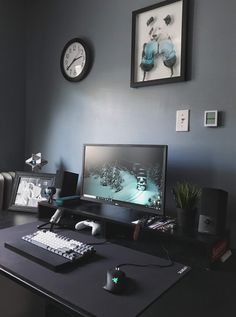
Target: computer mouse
{"points": [[116, 281]]}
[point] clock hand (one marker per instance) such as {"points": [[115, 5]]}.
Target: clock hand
{"points": [[75, 59]]}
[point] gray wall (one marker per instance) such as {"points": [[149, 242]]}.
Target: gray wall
{"points": [[12, 84], [61, 116]]}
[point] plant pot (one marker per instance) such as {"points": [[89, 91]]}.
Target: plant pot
{"points": [[186, 219]]}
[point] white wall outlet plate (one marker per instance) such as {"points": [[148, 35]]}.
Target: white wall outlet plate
{"points": [[211, 118], [182, 120]]}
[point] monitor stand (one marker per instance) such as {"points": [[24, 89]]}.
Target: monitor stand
{"points": [[116, 212]]}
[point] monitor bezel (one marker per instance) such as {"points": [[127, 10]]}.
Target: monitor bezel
{"points": [[131, 206]]}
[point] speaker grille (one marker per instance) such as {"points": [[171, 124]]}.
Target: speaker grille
{"points": [[213, 211]]}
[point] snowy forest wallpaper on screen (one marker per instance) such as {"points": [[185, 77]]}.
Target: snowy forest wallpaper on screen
{"points": [[127, 174]]}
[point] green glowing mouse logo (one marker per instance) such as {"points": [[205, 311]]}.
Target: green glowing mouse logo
{"points": [[115, 280]]}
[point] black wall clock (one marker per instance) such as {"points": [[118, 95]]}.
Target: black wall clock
{"points": [[75, 60]]}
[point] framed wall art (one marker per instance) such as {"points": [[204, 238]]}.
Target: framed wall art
{"points": [[29, 189], [158, 49]]}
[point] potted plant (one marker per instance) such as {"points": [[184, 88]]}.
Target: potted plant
{"points": [[186, 196]]}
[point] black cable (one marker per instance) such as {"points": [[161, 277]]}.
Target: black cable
{"points": [[171, 262], [43, 225], [51, 226], [97, 243], [145, 265], [59, 226], [166, 252]]}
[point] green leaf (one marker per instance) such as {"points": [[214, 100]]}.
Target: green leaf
{"points": [[186, 195]]}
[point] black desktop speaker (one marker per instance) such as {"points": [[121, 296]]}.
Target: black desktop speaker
{"points": [[67, 182], [213, 211]]}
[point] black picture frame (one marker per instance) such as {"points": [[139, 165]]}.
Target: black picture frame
{"points": [[28, 190], [158, 47]]}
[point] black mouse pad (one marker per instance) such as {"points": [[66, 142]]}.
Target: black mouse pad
{"points": [[81, 289]]}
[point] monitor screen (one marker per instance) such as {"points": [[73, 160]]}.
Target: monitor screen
{"points": [[125, 175]]}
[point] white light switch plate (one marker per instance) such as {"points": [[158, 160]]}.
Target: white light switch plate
{"points": [[182, 120]]}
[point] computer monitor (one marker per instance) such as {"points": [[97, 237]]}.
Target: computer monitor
{"points": [[133, 176]]}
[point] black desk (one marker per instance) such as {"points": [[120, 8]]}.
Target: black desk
{"points": [[200, 293], [81, 289]]}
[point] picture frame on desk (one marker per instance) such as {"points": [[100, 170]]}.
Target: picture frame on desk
{"points": [[158, 48], [29, 189]]}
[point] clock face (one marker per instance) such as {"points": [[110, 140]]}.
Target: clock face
{"points": [[75, 60]]}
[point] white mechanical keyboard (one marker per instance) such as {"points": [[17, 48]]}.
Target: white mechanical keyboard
{"points": [[70, 249]]}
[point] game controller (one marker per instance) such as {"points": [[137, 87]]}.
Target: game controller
{"points": [[96, 227]]}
